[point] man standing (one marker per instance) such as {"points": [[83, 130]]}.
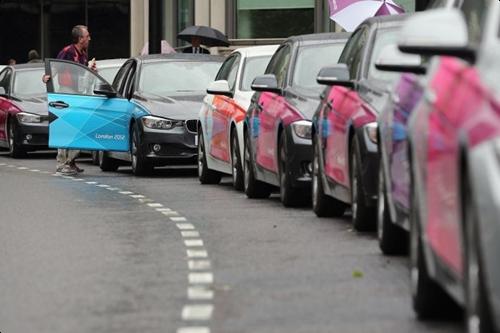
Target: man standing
{"points": [[76, 52], [196, 47]]}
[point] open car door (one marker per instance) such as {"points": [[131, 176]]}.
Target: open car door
{"points": [[85, 112]]}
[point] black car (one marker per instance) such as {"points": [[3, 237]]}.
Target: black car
{"points": [[170, 89], [23, 109], [277, 129]]}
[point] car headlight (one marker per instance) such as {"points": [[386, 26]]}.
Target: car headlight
{"points": [[371, 132], [158, 123], [302, 129], [28, 118]]}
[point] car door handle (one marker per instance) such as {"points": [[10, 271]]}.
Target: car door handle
{"points": [[59, 105]]}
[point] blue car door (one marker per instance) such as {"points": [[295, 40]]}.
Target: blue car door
{"points": [[85, 112]]}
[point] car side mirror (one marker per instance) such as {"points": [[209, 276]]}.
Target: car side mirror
{"points": [[105, 89], [219, 87], [436, 32], [336, 75], [391, 59], [266, 82]]}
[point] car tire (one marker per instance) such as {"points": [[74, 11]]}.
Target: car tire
{"points": [[16, 150], [140, 165], [105, 162], [205, 175], [477, 310], [392, 239], [238, 181], [430, 301], [290, 196], [362, 215], [254, 189], [95, 157], [322, 204]]}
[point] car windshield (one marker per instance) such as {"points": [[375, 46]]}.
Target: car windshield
{"points": [[108, 73], [310, 59], [173, 78], [29, 83], [253, 66], [384, 37]]}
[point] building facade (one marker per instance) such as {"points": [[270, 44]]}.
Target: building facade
{"points": [[121, 28]]}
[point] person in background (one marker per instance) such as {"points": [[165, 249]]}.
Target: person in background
{"points": [[195, 47], [11, 62], [33, 56], [77, 52]]}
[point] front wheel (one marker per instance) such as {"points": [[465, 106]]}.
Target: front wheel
{"points": [[323, 205], [205, 175], [238, 181], [105, 162], [140, 165], [362, 215], [254, 188], [290, 196], [15, 148], [392, 239]]}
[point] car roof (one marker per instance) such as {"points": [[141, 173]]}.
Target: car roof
{"points": [[255, 51], [33, 65], [313, 38], [179, 57], [386, 20], [111, 62]]}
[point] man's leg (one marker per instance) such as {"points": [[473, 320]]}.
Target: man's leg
{"points": [[62, 158], [72, 155]]}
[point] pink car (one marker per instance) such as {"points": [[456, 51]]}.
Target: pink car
{"points": [[454, 140]]}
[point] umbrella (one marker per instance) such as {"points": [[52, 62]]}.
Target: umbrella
{"points": [[209, 36], [350, 13]]}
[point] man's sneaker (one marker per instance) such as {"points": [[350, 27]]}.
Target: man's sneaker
{"points": [[68, 171], [76, 168]]}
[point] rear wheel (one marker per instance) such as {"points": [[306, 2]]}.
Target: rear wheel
{"points": [[238, 181], [253, 188], [392, 239], [106, 163], [205, 175], [362, 215], [323, 205], [478, 315], [140, 165], [15, 148]]}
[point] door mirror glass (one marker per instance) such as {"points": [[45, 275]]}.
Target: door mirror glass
{"points": [[103, 88], [337, 75], [219, 87], [391, 59], [436, 32], [266, 82]]}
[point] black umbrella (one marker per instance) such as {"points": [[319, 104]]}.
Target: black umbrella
{"points": [[209, 36]]}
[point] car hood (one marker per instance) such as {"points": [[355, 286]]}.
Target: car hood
{"points": [[33, 104], [304, 100], [181, 107]]}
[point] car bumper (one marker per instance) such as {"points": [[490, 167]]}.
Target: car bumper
{"points": [[34, 136], [178, 146], [299, 159]]}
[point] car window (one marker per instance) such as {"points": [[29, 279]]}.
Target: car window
{"points": [[475, 15], [279, 64], [225, 69], [168, 78], [231, 78], [253, 67], [72, 78], [29, 82], [383, 38], [108, 73], [120, 77], [353, 52], [310, 59]]}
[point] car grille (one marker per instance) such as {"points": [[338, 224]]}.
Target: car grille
{"points": [[192, 125]]}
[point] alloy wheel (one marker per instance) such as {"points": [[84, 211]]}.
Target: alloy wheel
{"points": [[315, 179], [201, 155], [380, 205], [354, 189], [234, 158], [11, 137], [246, 171]]}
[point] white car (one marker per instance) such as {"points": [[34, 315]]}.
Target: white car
{"points": [[220, 127]]}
